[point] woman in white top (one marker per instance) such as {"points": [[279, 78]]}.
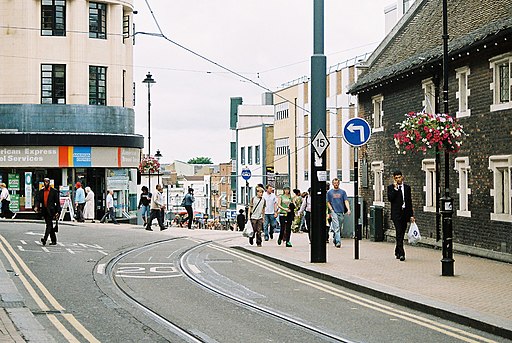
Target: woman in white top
{"points": [[256, 213]]}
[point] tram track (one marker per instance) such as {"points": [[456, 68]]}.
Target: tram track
{"points": [[186, 271]]}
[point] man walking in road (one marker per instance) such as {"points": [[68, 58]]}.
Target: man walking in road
{"points": [[47, 202], [399, 195], [109, 208], [157, 206], [338, 205]]}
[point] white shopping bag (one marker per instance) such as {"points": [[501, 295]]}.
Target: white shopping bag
{"points": [[248, 230], [414, 233]]}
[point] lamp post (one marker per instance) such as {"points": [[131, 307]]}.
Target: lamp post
{"points": [[149, 80], [446, 200], [158, 156]]}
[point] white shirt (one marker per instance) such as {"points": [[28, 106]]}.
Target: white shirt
{"points": [[5, 194], [306, 205], [157, 201], [270, 202], [110, 200]]}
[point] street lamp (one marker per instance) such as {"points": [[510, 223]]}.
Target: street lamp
{"points": [[158, 156], [446, 201], [149, 80]]}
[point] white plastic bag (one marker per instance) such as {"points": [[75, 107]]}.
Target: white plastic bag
{"points": [[248, 230], [414, 233]]}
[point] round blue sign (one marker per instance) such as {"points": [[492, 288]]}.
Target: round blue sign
{"points": [[357, 132], [246, 174]]}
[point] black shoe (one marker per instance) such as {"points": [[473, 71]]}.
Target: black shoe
{"points": [[162, 228], [43, 241], [397, 256], [402, 258], [251, 240], [149, 229], [53, 243]]}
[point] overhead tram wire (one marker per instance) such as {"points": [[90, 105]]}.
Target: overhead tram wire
{"points": [[162, 35]]}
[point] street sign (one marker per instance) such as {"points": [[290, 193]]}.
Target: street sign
{"points": [[246, 173], [357, 132], [320, 143]]}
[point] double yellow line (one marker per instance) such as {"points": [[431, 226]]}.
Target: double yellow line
{"points": [[22, 269], [324, 287]]}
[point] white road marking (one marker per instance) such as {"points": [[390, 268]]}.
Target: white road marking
{"points": [[102, 252], [101, 268], [20, 248], [70, 251], [45, 249], [194, 269], [23, 242]]}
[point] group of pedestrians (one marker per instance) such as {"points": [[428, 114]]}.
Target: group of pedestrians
{"points": [[153, 207], [265, 208]]}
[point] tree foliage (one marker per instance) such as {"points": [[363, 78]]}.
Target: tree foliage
{"points": [[200, 160]]}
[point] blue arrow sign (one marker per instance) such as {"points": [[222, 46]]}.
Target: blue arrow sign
{"points": [[356, 132], [246, 174]]}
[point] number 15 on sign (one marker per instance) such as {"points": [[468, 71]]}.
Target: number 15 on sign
{"points": [[320, 143]]}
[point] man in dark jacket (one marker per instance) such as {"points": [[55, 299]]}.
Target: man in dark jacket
{"points": [[399, 195], [47, 202], [240, 220]]}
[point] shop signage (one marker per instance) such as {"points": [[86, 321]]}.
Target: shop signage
{"points": [[14, 182]]}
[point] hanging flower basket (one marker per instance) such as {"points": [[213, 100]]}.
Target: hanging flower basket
{"points": [[420, 132], [148, 165]]}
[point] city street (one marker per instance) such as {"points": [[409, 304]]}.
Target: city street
{"points": [[110, 283]]}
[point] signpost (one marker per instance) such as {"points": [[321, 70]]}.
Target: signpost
{"points": [[246, 175], [356, 132]]}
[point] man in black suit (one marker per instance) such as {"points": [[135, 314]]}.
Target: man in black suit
{"points": [[48, 203], [399, 195]]}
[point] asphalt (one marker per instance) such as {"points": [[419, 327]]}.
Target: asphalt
{"points": [[478, 295]]}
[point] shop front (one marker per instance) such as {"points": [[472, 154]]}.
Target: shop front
{"points": [[23, 168]]}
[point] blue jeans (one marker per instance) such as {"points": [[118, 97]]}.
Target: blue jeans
{"points": [[269, 220], [336, 226], [144, 211]]}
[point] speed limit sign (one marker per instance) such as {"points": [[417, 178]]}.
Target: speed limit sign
{"points": [[320, 143]]}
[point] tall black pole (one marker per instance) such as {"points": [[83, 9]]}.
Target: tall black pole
{"points": [[357, 227], [149, 80], [446, 201], [318, 123]]}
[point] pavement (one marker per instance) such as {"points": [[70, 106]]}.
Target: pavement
{"points": [[478, 295]]}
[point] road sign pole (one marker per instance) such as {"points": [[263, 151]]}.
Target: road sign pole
{"points": [[318, 124], [357, 229]]}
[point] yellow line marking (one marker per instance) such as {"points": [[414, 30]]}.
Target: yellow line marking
{"points": [[65, 332], [69, 317], [443, 328]]}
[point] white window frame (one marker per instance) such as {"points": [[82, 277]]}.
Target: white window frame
{"points": [[495, 85], [378, 113], [429, 167], [501, 167], [377, 168], [429, 96], [463, 168], [282, 111], [281, 146], [461, 74]]}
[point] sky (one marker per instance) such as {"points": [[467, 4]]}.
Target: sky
{"points": [[269, 42]]}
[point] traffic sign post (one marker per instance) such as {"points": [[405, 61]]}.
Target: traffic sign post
{"points": [[246, 175], [356, 132]]}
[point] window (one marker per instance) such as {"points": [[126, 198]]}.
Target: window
{"points": [[501, 82], [97, 85], [463, 93], [242, 155], [282, 146], [53, 83], [281, 111], [501, 167], [249, 155], [429, 167], [378, 182], [306, 175], [377, 113], [53, 18], [429, 96], [97, 20], [233, 196], [126, 26], [257, 154], [462, 168]]}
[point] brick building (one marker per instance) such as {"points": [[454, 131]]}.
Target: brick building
{"points": [[404, 74]]}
